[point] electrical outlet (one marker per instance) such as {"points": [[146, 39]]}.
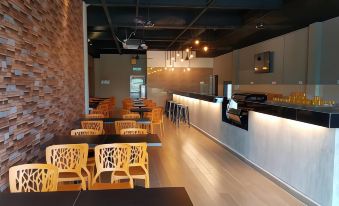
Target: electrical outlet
{"points": [[300, 82]]}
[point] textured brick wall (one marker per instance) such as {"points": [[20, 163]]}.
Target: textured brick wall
{"points": [[41, 76]]}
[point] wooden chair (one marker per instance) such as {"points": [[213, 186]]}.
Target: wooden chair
{"points": [[94, 116], [138, 164], [124, 124], [97, 125], [132, 131], [157, 120], [90, 161], [127, 105], [33, 178], [124, 111], [131, 116], [113, 158], [76, 132], [71, 161]]}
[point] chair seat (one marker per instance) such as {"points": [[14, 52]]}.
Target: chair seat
{"points": [[133, 171], [70, 176], [110, 186], [69, 187]]}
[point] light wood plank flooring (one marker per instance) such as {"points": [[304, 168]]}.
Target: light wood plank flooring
{"points": [[211, 174]]}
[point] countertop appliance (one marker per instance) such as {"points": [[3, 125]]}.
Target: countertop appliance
{"points": [[237, 108]]}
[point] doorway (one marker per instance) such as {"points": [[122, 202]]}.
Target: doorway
{"points": [[136, 81]]}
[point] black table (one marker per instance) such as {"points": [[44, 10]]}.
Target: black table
{"points": [[112, 120], [152, 140], [139, 105], [141, 110], [167, 196]]}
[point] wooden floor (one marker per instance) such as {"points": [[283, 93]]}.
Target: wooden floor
{"points": [[211, 174]]}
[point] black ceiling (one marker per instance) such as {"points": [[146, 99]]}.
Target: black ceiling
{"points": [[223, 25]]}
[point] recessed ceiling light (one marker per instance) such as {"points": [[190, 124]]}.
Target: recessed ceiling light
{"points": [[260, 25]]}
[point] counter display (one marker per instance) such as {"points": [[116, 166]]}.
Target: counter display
{"points": [[322, 116]]}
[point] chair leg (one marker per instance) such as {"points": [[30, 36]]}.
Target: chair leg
{"points": [[147, 181], [162, 128]]}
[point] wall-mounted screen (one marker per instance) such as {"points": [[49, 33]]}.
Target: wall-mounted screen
{"points": [[263, 62]]}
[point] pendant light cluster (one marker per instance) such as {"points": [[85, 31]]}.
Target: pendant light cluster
{"points": [[177, 56]]}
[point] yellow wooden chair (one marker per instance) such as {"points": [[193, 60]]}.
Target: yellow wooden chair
{"points": [[124, 111], [138, 164], [124, 124], [157, 120], [71, 161], [131, 116], [33, 178], [112, 158], [94, 116], [97, 125], [76, 132], [91, 160], [132, 131]]}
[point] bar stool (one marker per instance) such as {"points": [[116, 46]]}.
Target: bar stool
{"points": [[171, 106], [182, 114], [167, 105]]}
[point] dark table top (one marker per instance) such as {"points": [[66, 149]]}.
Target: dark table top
{"points": [[139, 105], [112, 120], [152, 140], [144, 109], [167, 196]]}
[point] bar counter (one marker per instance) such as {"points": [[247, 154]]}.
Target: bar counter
{"points": [[297, 147]]}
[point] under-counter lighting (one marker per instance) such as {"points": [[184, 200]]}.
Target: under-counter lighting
{"points": [[270, 119]]}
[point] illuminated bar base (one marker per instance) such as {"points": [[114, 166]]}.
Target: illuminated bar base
{"points": [[301, 157]]}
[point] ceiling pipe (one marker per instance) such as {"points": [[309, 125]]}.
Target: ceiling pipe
{"points": [[108, 16], [208, 5]]}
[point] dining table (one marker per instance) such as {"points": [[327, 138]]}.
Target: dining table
{"points": [[109, 123], [165, 196], [141, 110], [139, 105], [152, 140]]}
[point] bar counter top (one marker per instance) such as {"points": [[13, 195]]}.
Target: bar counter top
{"points": [[317, 115]]}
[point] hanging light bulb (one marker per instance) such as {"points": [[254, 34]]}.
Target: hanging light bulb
{"points": [[182, 56], [178, 54], [205, 48], [187, 49], [197, 42]]}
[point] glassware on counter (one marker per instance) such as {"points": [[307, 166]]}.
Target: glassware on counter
{"points": [[301, 99]]}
